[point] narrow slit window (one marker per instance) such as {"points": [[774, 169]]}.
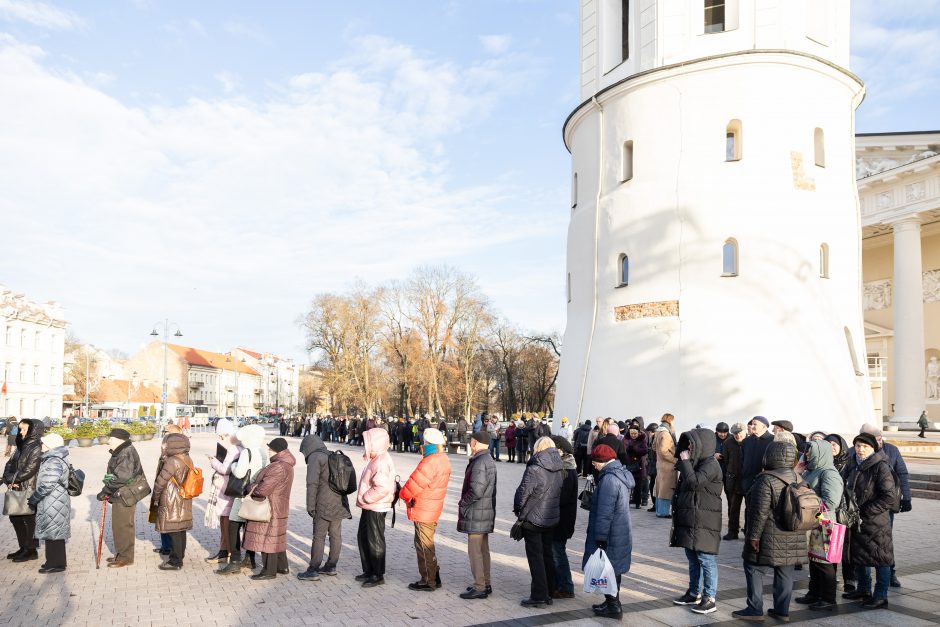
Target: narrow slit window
{"points": [[824, 261], [627, 162], [624, 30], [574, 191], [714, 16], [623, 268], [819, 147], [568, 287], [733, 141], [852, 354], [729, 258]]}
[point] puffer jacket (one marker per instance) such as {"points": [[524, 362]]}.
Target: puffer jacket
{"points": [[273, 482], [696, 521], [778, 547], [821, 474], [426, 488], [123, 467], [872, 484], [322, 501], [537, 499], [637, 451], [609, 520], [23, 466], [222, 469], [568, 502], [174, 513], [895, 462], [476, 510], [377, 481], [51, 498]]}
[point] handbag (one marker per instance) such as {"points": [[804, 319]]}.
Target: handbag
{"points": [[16, 503], [587, 494], [516, 532], [256, 511], [133, 492], [826, 540], [236, 487], [76, 481]]}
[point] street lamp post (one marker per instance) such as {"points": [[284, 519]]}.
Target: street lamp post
{"points": [[86, 382], [166, 331]]}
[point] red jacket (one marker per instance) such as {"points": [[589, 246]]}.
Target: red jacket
{"points": [[427, 487]]}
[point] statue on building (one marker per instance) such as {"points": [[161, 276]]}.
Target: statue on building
{"points": [[933, 378]]}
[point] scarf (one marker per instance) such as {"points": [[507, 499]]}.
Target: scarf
{"points": [[430, 449]]}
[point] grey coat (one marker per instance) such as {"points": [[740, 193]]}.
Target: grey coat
{"points": [[476, 511], [322, 501], [52, 501]]}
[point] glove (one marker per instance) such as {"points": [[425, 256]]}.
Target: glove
{"points": [[906, 505], [108, 478], [602, 544], [100, 496]]}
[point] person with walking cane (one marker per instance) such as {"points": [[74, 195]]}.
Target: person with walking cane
{"points": [[124, 485]]}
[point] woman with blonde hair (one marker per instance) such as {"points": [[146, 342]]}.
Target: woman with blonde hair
{"points": [[666, 474]]}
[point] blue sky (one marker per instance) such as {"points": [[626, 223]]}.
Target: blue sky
{"points": [[222, 162]]}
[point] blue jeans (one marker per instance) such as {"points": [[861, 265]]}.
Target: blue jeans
{"points": [[702, 566], [562, 567], [166, 541], [663, 506], [494, 446], [882, 580]]}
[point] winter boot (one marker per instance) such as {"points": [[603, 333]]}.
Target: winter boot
{"points": [[219, 558], [613, 609]]}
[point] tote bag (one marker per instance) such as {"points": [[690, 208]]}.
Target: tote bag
{"points": [[826, 540], [16, 503]]}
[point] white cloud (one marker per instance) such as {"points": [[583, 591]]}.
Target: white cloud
{"points": [[40, 14], [246, 30], [496, 44], [228, 214], [230, 82]]}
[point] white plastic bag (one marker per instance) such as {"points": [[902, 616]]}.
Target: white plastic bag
{"points": [[599, 575]]}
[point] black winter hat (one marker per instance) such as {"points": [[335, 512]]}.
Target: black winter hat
{"points": [[868, 439], [563, 445], [277, 445], [120, 434], [482, 436], [721, 427]]}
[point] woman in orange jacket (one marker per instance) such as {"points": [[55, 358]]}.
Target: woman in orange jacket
{"points": [[423, 495]]}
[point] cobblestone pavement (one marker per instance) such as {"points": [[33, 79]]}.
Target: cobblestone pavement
{"points": [[143, 595]]}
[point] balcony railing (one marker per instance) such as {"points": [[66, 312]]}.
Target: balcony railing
{"points": [[878, 368]]}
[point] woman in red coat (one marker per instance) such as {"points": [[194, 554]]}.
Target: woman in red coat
{"points": [[270, 538], [511, 441]]}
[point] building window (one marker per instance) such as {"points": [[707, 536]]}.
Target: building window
{"points": [[729, 258], [35, 374], [819, 147], [824, 261], [733, 141], [9, 340], [22, 376], [7, 371], [23, 338], [574, 191], [714, 16], [568, 286], [624, 30], [615, 39], [623, 269], [852, 354], [626, 171]]}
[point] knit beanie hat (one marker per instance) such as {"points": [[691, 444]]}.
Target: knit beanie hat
{"points": [[277, 445], [868, 439], [760, 419], [602, 453], [433, 436], [482, 436], [53, 440], [224, 427], [120, 434]]}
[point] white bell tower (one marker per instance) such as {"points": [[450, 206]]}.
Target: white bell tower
{"points": [[714, 256]]}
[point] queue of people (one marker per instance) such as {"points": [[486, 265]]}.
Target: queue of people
{"points": [[761, 464]]}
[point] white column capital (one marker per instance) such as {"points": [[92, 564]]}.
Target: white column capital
{"points": [[907, 223]]}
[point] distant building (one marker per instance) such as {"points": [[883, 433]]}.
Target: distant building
{"points": [[32, 354], [279, 377]]}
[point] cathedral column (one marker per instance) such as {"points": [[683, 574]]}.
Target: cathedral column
{"points": [[908, 303]]}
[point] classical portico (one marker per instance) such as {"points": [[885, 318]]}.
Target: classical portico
{"points": [[899, 195]]}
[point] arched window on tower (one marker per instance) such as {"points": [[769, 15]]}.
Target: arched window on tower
{"points": [[729, 258], [623, 270], [733, 141], [824, 261], [574, 191], [819, 147], [626, 172]]}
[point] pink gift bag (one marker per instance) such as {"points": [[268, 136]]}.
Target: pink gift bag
{"points": [[826, 540]]}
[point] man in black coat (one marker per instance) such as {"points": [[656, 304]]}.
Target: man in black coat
{"points": [[21, 473], [752, 451], [581, 457], [326, 507], [476, 512], [696, 518], [766, 544], [568, 507], [123, 468]]}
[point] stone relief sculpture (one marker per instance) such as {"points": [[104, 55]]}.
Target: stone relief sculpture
{"points": [[877, 294], [932, 286], [933, 378]]}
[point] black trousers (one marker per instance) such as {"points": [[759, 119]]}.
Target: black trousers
{"points": [[234, 540], [616, 598], [273, 562], [822, 581], [55, 554], [177, 547], [581, 460], [734, 511], [371, 540], [538, 552], [25, 528], [511, 451], [640, 493]]}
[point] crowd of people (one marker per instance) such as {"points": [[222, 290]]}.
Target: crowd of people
{"points": [[627, 464]]}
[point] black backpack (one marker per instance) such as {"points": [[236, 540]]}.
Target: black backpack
{"points": [[76, 481], [798, 505], [342, 473]]}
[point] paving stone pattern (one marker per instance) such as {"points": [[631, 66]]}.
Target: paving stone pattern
{"points": [[144, 595]]}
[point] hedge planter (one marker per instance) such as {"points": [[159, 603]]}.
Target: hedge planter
{"points": [[85, 442], [136, 437], [103, 439], [148, 436]]}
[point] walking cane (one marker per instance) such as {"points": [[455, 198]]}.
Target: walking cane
{"points": [[104, 512]]}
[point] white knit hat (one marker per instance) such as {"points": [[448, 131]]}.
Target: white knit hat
{"points": [[53, 440], [433, 436], [225, 427]]}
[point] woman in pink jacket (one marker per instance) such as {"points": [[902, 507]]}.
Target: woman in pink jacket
{"points": [[219, 505], [375, 496]]}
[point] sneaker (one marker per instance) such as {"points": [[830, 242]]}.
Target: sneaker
{"points": [[706, 606], [749, 615], [309, 575], [169, 566], [688, 599], [488, 590], [783, 618], [473, 594], [329, 571]]}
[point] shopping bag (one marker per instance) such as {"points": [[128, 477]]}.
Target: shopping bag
{"points": [[599, 575], [826, 539]]}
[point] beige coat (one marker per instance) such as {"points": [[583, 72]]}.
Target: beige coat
{"points": [[666, 473]]}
